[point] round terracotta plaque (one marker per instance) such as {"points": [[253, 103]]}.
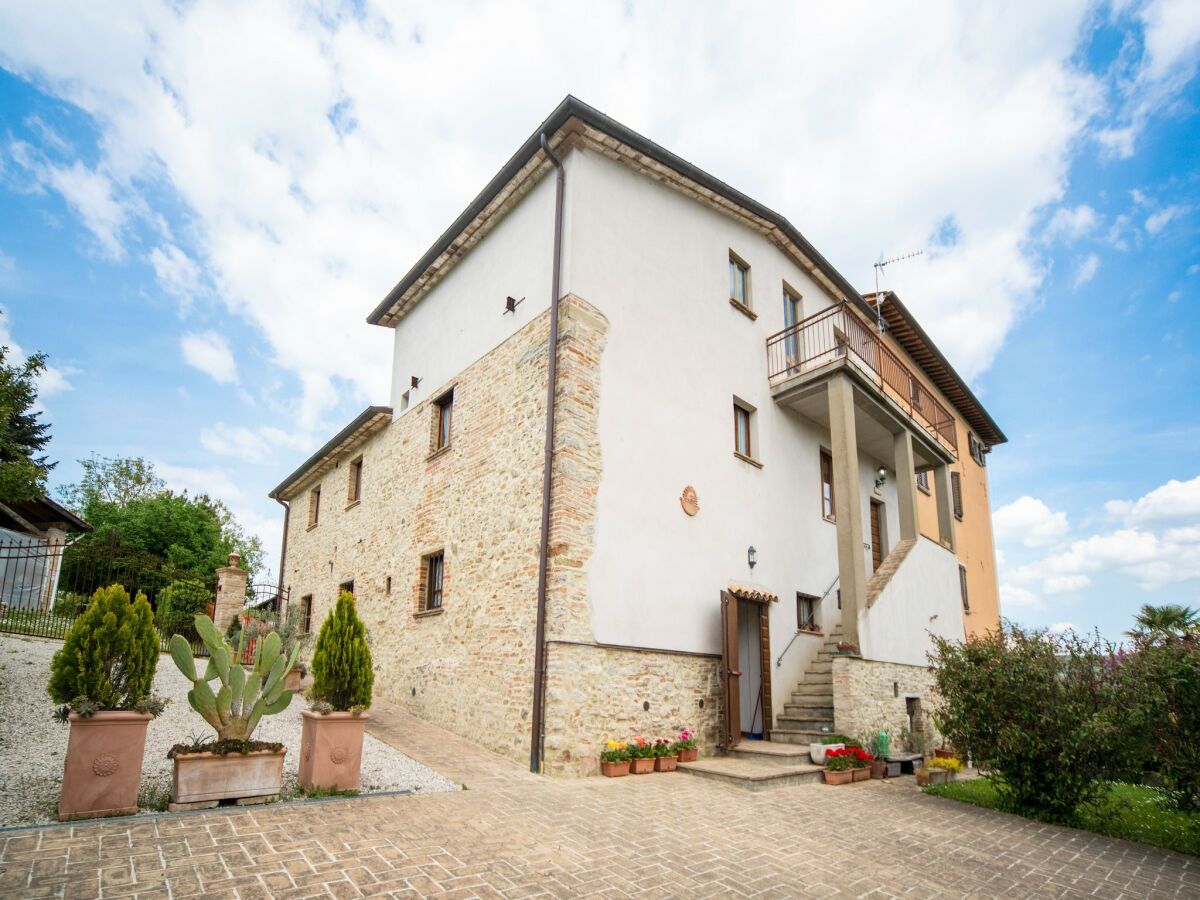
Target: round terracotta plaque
{"points": [[689, 501]]}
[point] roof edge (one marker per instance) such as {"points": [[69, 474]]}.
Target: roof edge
{"points": [[329, 446]]}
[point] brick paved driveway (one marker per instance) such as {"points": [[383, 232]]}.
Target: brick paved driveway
{"points": [[514, 835]]}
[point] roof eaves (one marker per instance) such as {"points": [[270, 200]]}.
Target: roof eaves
{"points": [[362, 419]]}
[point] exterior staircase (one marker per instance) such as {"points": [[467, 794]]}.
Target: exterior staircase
{"points": [[887, 569], [810, 714], [757, 766]]}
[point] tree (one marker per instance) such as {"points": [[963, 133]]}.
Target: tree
{"points": [[178, 605], [1156, 624], [23, 434], [341, 663], [126, 501]]}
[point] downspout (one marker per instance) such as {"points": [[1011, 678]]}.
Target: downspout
{"points": [[287, 514], [539, 650]]}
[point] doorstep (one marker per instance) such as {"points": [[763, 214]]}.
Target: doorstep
{"points": [[753, 774]]}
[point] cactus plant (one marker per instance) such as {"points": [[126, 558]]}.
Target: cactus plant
{"points": [[244, 697]]}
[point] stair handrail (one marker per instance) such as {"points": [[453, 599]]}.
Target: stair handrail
{"points": [[832, 585]]}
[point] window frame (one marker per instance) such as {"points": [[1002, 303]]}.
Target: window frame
{"points": [[962, 587], [306, 605], [354, 487], [443, 421], [745, 303], [826, 463], [956, 496], [346, 587], [809, 624], [740, 414], [314, 506], [433, 595], [923, 482], [976, 449]]}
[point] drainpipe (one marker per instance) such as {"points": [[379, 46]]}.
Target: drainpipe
{"points": [[539, 651], [287, 514]]}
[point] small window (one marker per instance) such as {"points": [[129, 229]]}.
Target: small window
{"points": [[741, 431], [443, 409], [923, 481], [828, 507], [354, 489], [404, 401], [962, 587], [306, 611], [956, 494], [739, 280], [978, 451], [434, 573], [806, 612], [314, 506], [346, 587]]}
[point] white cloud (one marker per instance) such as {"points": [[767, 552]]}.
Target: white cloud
{"points": [[1174, 296], [1030, 521], [251, 444], [1071, 223], [1157, 221], [1015, 596], [177, 274], [1171, 501], [1063, 627], [1064, 584], [53, 379], [1194, 269], [210, 353], [1086, 270]]}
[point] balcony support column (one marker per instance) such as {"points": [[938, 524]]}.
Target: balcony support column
{"points": [[945, 508], [906, 486], [852, 563]]}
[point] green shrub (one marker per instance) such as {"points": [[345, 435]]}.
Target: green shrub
{"points": [[109, 656], [341, 663], [1163, 681], [178, 605], [70, 604], [1043, 712]]}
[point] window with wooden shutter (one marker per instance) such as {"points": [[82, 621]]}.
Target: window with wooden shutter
{"points": [[828, 507], [962, 587], [956, 493], [923, 481]]}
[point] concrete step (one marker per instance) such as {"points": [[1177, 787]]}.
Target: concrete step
{"points": [[805, 724], [809, 710], [813, 694], [770, 751], [752, 774], [796, 736], [821, 666]]}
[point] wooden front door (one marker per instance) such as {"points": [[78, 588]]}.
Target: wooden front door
{"points": [[731, 707], [876, 535]]}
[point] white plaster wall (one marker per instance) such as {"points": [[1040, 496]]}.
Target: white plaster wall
{"points": [[922, 597], [463, 317], [655, 263]]}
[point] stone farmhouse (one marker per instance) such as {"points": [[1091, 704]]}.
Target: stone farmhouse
{"points": [[765, 490]]}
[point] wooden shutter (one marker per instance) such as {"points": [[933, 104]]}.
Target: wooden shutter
{"points": [[962, 587], [956, 492]]}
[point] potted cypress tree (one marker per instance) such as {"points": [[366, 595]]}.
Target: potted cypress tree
{"points": [[102, 677], [332, 735]]}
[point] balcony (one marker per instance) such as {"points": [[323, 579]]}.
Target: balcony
{"points": [[840, 336]]}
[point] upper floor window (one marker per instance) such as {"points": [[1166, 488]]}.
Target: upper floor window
{"points": [[793, 312], [828, 508], [923, 481], [435, 565], [314, 506], [306, 611], [739, 283], [956, 494], [443, 409], [354, 488], [741, 431], [404, 401], [978, 451]]}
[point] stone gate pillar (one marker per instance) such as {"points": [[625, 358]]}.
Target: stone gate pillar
{"points": [[231, 592]]}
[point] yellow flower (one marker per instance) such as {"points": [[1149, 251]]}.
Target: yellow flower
{"points": [[612, 745]]}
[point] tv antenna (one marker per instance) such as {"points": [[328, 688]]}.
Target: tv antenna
{"points": [[879, 267]]}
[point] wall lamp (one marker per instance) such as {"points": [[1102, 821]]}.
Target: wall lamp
{"points": [[752, 556], [880, 477]]}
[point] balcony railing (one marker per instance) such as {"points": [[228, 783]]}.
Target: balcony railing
{"points": [[840, 333]]}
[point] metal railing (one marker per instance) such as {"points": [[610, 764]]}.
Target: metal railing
{"points": [[841, 333], [811, 619]]}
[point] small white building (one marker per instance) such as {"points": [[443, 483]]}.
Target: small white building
{"points": [[752, 464], [33, 535]]}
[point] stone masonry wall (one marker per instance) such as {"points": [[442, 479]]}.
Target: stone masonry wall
{"points": [[869, 696], [468, 667]]}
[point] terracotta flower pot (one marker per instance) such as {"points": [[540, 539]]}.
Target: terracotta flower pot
{"points": [[291, 681], [331, 750], [103, 768], [879, 769], [843, 777], [641, 766], [665, 763], [863, 774], [204, 779], [688, 754], [614, 769], [943, 753]]}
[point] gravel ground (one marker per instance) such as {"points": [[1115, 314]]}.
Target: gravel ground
{"points": [[32, 744]]}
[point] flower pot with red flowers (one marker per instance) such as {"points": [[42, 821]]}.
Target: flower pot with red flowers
{"points": [[664, 756], [641, 753], [860, 763], [614, 759], [838, 767], [685, 746]]}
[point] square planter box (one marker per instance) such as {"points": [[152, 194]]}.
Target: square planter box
{"points": [[331, 750], [665, 763], [204, 779], [103, 769], [843, 777], [862, 774]]}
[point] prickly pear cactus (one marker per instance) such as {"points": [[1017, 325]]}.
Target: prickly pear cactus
{"points": [[243, 697]]}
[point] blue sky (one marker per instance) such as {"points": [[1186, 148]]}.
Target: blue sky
{"points": [[195, 222]]}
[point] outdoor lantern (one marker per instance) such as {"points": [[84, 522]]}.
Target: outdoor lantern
{"points": [[752, 556], [880, 477]]}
